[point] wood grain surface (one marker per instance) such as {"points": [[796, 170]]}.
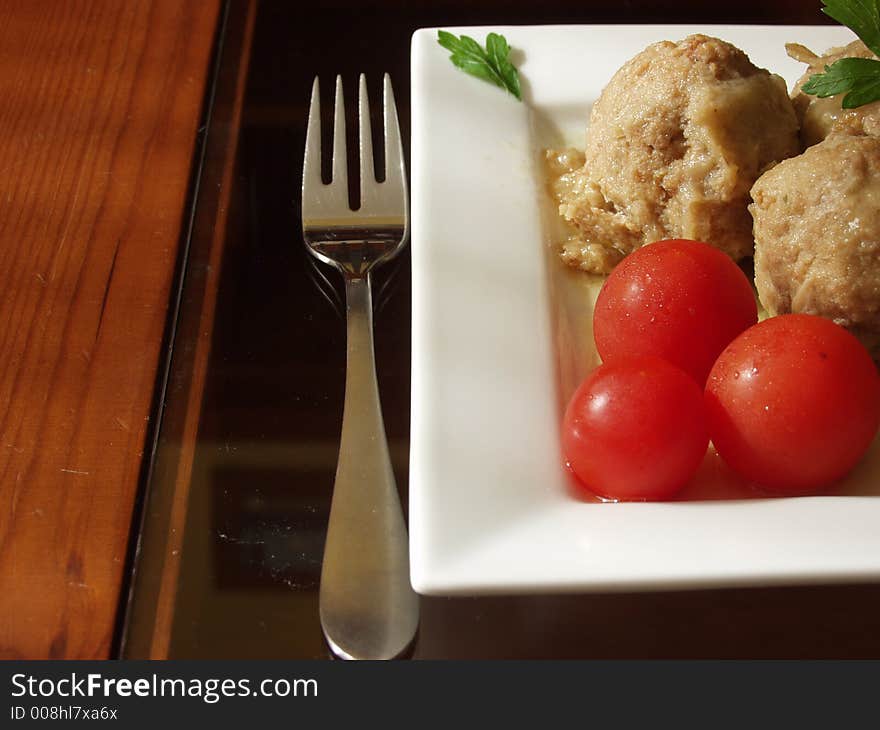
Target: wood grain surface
{"points": [[99, 107]]}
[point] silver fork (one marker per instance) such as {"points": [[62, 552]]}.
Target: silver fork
{"points": [[367, 605]]}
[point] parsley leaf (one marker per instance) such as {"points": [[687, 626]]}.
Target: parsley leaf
{"points": [[491, 63], [858, 77], [861, 16]]}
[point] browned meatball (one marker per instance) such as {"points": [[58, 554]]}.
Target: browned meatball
{"points": [[675, 141], [817, 235]]}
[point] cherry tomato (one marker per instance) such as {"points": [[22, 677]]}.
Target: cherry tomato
{"points": [[793, 403], [635, 429], [681, 300]]}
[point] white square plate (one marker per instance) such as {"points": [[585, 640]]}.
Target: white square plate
{"points": [[491, 509]]}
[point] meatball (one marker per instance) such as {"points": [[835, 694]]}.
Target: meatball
{"points": [[817, 235], [819, 117], [675, 141]]}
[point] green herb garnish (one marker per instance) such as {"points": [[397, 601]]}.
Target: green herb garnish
{"points": [[490, 63], [858, 77]]}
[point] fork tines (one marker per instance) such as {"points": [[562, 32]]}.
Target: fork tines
{"points": [[332, 200]]}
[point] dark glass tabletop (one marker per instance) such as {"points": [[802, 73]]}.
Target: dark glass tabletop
{"points": [[239, 491]]}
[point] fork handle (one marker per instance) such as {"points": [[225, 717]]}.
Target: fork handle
{"points": [[367, 605]]}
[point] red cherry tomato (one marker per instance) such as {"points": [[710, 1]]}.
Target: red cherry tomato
{"points": [[680, 300], [635, 429], [793, 403]]}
